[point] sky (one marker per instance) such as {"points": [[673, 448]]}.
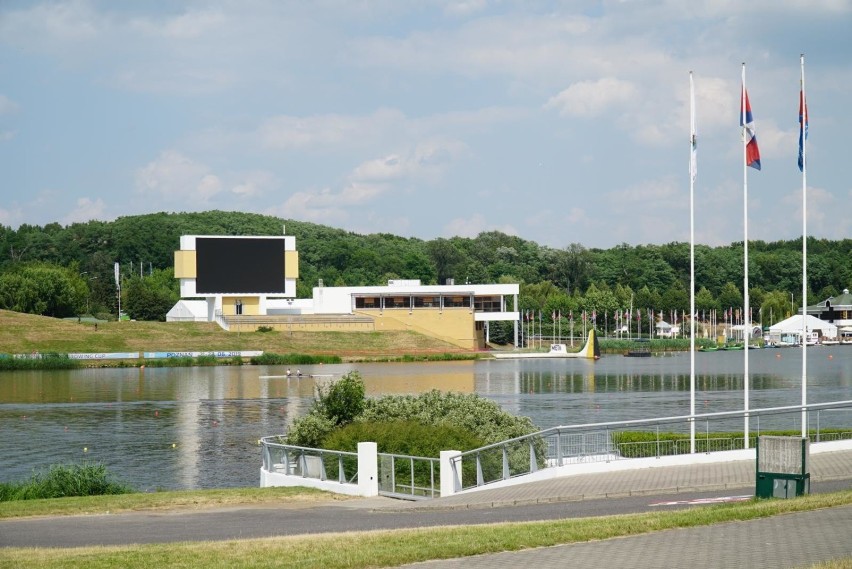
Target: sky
{"points": [[559, 122]]}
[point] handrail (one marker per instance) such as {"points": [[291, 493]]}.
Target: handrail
{"points": [[672, 419], [594, 442]]}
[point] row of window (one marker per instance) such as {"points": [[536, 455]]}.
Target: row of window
{"points": [[481, 304]]}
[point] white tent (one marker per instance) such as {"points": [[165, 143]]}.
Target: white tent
{"points": [[789, 331], [188, 311]]}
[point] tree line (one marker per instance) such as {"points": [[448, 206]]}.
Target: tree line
{"points": [[68, 270]]}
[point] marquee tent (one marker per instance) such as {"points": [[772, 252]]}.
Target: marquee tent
{"points": [[790, 330]]}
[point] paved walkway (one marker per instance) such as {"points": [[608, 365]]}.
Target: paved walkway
{"points": [[739, 475], [793, 540]]}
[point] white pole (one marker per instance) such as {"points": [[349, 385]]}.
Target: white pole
{"points": [[693, 170], [745, 259], [803, 133]]}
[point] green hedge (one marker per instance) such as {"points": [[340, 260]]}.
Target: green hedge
{"points": [[641, 444], [63, 480]]}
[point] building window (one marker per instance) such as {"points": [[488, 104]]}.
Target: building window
{"points": [[397, 302], [367, 302], [427, 302], [456, 302]]}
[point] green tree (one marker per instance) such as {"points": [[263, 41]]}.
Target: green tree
{"points": [[730, 297]]}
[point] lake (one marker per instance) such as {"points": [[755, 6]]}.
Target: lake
{"points": [[184, 428]]}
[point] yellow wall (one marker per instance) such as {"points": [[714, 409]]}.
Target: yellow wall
{"points": [[453, 325], [185, 265], [291, 264], [251, 305]]}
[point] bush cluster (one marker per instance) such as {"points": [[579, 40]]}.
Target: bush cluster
{"points": [[60, 481], [403, 437], [433, 421]]}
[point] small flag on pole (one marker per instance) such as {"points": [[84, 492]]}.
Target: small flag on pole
{"points": [[693, 153], [803, 128], [747, 122]]}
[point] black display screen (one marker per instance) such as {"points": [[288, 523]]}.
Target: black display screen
{"points": [[245, 265]]}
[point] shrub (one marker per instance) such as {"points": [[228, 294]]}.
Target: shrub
{"points": [[60, 481], [342, 400], [482, 417], [403, 437], [265, 328], [309, 430]]}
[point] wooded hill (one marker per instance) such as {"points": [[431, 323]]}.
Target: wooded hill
{"points": [[68, 270]]}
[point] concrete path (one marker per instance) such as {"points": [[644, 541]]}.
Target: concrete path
{"points": [[793, 540]]}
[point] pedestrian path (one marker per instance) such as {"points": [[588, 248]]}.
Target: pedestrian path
{"points": [[794, 541], [738, 475]]}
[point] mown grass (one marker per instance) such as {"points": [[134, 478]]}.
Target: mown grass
{"points": [[398, 547], [25, 333], [167, 500]]}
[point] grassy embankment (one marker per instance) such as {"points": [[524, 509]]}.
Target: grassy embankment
{"points": [[397, 547], [26, 333]]}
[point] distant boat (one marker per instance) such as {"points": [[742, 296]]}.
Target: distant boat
{"points": [[641, 348], [591, 350], [708, 349]]}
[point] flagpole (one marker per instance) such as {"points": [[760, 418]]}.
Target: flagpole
{"points": [[803, 121], [745, 261], [693, 170]]}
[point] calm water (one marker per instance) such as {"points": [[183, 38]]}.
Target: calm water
{"points": [[199, 427]]}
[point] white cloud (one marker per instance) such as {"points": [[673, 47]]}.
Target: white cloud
{"points": [[7, 105], [11, 217], [397, 173], [254, 185], [464, 7], [86, 209], [473, 226], [173, 177], [186, 26], [292, 132], [589, 99]]}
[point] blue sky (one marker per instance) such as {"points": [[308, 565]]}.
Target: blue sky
{"points": [[559, 122]]}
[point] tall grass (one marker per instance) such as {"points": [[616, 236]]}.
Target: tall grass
{"points": [[293, 359], [63, 480], [50, 360]]}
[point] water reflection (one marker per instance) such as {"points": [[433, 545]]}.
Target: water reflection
{"points": [[198, 427]]}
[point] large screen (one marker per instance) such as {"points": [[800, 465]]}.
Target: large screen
{"points": [[239, 265]]}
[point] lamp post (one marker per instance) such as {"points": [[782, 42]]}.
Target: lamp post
{"points": [[792, 306]]}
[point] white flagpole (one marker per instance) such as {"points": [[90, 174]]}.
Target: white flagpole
{"points": [[804, 111], [693, 171], [745, 262]]}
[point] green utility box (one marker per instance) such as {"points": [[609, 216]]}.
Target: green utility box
{"points": [[782, 467]]}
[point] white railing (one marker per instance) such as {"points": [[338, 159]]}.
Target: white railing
{"points": [[665, 436], [219, 318], [314, 463], [408, 477], [369, 473]]}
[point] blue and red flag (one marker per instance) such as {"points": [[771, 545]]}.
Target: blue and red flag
{"points": [[803, 129], [747, 122]]}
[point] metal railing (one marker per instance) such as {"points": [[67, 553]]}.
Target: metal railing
{"points": [[644, 438], [219, 318], [319, 464], [408, 477]]}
